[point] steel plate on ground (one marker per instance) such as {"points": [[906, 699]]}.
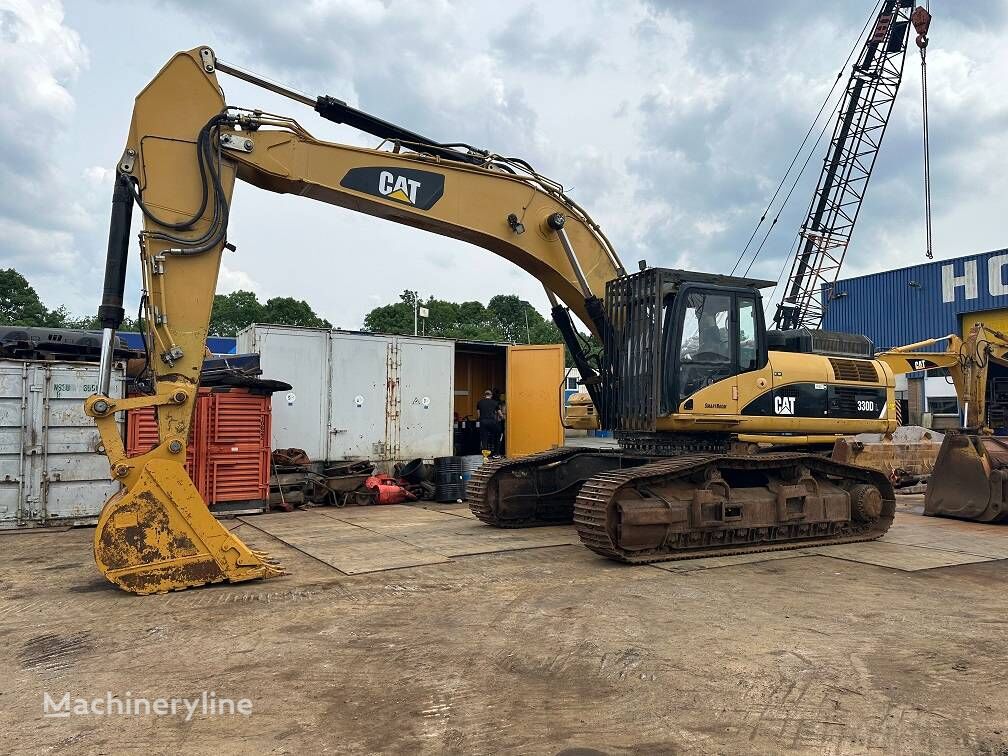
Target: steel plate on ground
{"points": [[913, 543], [466, 539], [897, 556], [386, 515], [450, 535], [950, 535], [709, 563], [458, 510], [350, 549]]}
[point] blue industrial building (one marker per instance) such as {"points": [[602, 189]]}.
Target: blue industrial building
{"points": [[929, 300], [925, 301]]}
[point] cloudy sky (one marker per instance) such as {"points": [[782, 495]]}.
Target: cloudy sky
{"points": [[671, 121]]}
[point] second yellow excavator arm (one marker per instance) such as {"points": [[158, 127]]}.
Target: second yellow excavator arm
{"points": [[967, 361]]}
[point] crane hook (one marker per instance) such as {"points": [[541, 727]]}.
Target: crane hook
{"points": [[921, 20]]}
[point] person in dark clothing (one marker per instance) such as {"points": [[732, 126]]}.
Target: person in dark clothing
{"points": [[489, 422], [496, 395]]}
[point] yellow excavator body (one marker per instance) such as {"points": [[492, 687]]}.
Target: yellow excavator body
{"points": [[185, 149]]}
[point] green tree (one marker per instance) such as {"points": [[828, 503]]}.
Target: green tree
{"points": [[240, 309], [394, 318], [290, 311], [514, 317], [235, 311], [473, 313], [506, 318], [20, 305], [19, 302]]}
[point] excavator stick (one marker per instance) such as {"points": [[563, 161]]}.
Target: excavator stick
{"points": [[159, 536], [970, 479]]}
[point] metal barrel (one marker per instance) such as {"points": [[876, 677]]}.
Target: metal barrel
{"points": [[447, 469], [449, 485], [470, 464]]}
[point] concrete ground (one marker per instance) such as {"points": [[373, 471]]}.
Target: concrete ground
{"points": [[545, 649]]}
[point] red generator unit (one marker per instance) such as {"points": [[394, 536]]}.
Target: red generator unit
{"points": [[228, 457]]}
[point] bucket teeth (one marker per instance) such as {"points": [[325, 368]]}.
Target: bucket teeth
{"points": [[159, 536], [272, 564]]}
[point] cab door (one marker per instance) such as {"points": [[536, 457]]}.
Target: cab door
{"points": [[754, 373], [719, 336]]}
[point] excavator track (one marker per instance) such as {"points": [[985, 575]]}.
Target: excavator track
{"points": [[537, 489], [630, 515]]}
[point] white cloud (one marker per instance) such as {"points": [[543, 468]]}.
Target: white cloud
{"points": [[99, 177], [672, 130], [230, 280], [44, 215]]}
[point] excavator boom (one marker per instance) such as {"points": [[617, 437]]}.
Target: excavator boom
{"points": [[185, 149]]}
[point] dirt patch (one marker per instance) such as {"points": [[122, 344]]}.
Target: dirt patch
{"points": [[54, 653], [543, 651]]}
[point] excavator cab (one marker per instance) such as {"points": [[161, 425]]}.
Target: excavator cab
{"points": [[710, 334], [673, 332]]}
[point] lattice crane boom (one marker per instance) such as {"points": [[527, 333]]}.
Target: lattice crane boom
{"points": [[857, 136]]}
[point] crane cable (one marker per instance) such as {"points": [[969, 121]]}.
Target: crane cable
{"points": [[921, 19], [822, 132], [801, 147]]}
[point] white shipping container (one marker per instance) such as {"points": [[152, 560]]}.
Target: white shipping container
{"points": [[357, 395], [51, 469], [300, 357], [360, 366]]}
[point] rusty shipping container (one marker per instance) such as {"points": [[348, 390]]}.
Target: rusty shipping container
{"points": [[228, 457]]}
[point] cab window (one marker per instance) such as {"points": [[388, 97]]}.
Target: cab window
{"points": [[748, 355], [705, 334], [705, 345]]}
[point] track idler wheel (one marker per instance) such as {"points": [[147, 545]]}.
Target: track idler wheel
{"points": [[866, 502], [160, 536]]}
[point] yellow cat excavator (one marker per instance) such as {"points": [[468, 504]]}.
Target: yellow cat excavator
{"points": [[970, 476], [185, 149], [695, 386]]}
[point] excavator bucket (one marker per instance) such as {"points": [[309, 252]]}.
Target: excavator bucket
{"points": [[161, 537], [970, 479], [580, 413]]}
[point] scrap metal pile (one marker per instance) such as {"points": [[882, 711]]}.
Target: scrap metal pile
{"points": [[296, 481]]}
